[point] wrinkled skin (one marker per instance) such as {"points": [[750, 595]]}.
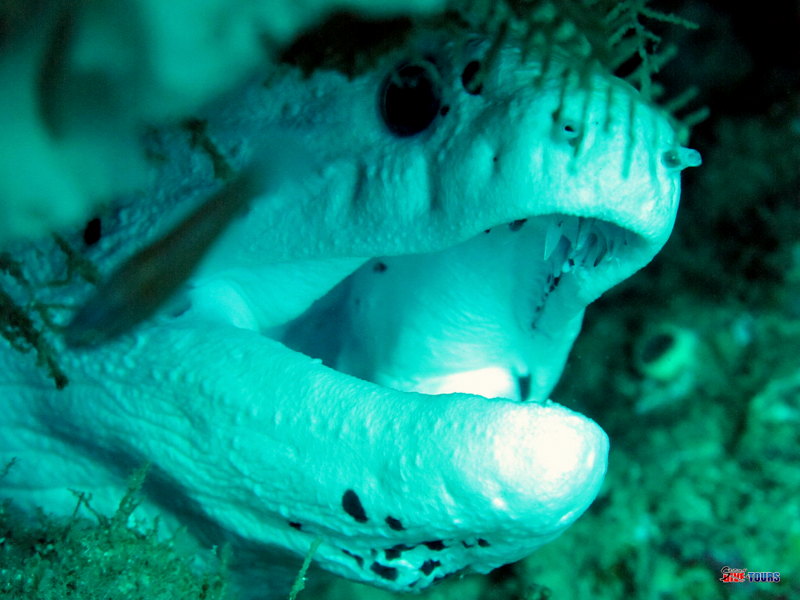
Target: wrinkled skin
{"points": [[358, 360]]}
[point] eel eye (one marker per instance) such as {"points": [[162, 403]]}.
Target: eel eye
{"points": [[410, 98]]}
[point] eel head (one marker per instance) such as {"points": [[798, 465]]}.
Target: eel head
{"points": [[365, 356]]}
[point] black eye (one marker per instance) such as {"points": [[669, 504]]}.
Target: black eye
{"points": [[411, 98]]}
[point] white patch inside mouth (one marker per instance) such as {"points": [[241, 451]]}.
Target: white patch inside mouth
{"points": [[490, 382]]}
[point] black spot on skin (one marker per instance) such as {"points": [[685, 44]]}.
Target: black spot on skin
{"points": [[359, 560], [434, 545], [444, 110], [392, 553], [394, 524], [483, 543], [351, 504], [469, 78], [295, 525], [379, 267], [429, 565], [201, 140], [395, 551], [487, 231], [517, 225], [524, 386], [389, 573], [466, 545], [92, 232]]}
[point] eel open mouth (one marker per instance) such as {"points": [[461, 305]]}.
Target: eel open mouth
{"points": [[424, 443], [475, 470], [493, 316]]}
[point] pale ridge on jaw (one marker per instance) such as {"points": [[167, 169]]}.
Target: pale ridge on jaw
{"points": [[270, 442], [588, 241]]}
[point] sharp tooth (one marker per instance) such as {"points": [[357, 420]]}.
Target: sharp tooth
{"points": [[588, 244], [570, 229], [563, 251], [551, 239], [602, 248], [584, 230]]}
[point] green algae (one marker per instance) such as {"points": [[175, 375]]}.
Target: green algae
{"points": [[103, 558]]}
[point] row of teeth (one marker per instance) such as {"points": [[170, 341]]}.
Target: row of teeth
{"points": [[578, 241]]}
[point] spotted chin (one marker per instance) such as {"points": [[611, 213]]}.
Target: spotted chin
{"points": [[413, 564]]}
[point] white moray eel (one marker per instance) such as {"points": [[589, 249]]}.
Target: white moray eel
{"points": [[365, 357]]}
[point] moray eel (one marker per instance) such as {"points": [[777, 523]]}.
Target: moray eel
{"points": [[365, 356]]}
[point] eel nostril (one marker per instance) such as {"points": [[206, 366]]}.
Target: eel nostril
{"points": [[569, 131], [681, 158]]}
